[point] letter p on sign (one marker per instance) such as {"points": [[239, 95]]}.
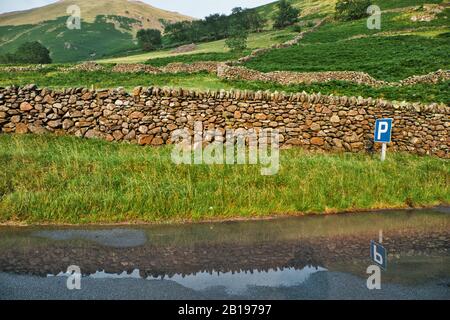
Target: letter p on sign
{"points": [[383, 128]]}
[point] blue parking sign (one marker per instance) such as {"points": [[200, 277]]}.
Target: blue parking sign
{"points": [[383, 129], [378, 254]]}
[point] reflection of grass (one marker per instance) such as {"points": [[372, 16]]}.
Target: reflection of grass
{"points": [[345, 225], [65, 179]]}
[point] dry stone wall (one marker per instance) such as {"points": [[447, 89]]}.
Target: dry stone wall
{"points": [[148, 116], [228, 72]]}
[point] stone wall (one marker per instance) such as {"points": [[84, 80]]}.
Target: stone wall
{"points": [[228, 72], [148, 115]]}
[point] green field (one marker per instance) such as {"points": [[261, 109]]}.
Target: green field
{"points": [[94, 40], [71, 180], [399, 50], [255, 40]]}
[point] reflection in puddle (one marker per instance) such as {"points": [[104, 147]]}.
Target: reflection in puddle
{"points": [[118, 238], [289, 258], [234, 282], [239, 282]]}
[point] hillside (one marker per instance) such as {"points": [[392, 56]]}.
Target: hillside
{"points": [[108, 27]]}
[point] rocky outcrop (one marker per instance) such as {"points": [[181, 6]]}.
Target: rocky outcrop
{"points": [[185, 48], [148, 116]]}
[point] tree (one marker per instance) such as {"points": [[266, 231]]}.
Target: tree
{"points": [[149, 39], [255, 21], [31, 52], [237, 39], [347, 10], [287, 15]]}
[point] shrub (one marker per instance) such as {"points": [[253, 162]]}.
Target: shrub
{"points": [[287, 15], [347, 10], [237, 39], [28, 52], [149, 39]]}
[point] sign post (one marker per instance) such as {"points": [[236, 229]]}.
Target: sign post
{"points": [[383, 133]]}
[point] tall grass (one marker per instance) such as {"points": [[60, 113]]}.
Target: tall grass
{"points": [[69, 180]]}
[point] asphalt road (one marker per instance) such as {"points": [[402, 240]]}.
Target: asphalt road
{"points": [[318, 285]]}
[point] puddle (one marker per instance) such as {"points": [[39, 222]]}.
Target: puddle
{"points": [[314, 257]]}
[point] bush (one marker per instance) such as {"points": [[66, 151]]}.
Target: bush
{"points": [[28, 52], [347, 10], [287, 15], [149, 39], [237, 39]]}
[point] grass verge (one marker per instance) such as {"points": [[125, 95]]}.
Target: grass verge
{"points": [[49, 179]]}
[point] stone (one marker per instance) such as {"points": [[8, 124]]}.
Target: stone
{"points": [[15, 119], [37, 129], [21, 128], [25, 106], [48, 99], [136, 115], [145, 140], [172, 126], [260, 116], [67, 124], [157, 141], [137, 91], [87, 96], [93, 134], [294, 141], [315, 126], [54, 124], [317, 141], [338, 143], [357, 146], [117, 135], [335, 119], [143, 129]]}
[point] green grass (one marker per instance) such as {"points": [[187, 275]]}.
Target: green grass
{"points": [[49, 77], [391, 23], [190, 58], [255, 40], [401, 48], [97, 37], [106, 79], [385, 58], [70, 180]]}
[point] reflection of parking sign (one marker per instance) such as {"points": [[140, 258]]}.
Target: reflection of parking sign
{"points": [[378, 254], [383, 129]]}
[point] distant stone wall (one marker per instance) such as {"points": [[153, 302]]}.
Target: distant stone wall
{"points": [[148, 116], [228, 72]]}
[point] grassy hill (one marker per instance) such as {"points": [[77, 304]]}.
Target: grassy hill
{"points": [[320, 8], [108, 28], [401, 48]]}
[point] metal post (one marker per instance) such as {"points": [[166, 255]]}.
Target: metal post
{"points": [[383, 152]]}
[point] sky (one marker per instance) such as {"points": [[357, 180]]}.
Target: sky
{"points": [[193, 8]]}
